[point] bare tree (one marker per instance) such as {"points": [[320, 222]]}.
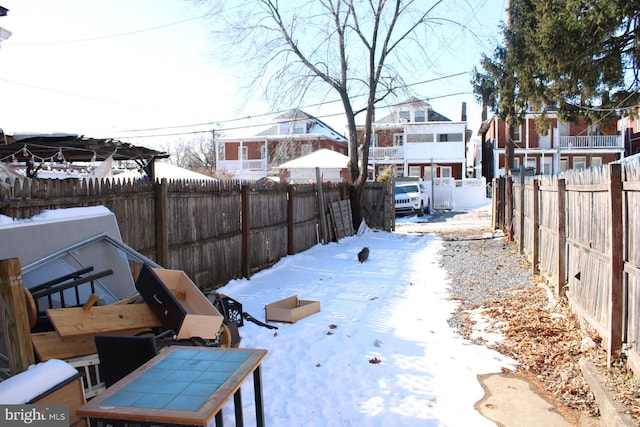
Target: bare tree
{"points": [[197, 153], [350, 47]]}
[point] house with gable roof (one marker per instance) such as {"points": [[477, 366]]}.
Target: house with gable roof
{"points": [[292, 135], [418, 141], [556, 147]]}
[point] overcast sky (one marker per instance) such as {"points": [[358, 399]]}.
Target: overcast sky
{"points": [[126, 69]]}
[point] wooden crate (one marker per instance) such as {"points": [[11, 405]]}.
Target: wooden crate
{"points": [[178, 303]]}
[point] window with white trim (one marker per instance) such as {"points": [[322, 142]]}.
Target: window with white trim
{"points": [[419, 137], [564, 164], [306, 149], [243, 153], [579, 162], [445, 171], [397, 140], [516, 133], [263, 152], [428, 173], [414, 170], [419, 116], [596, 161], [404, 116]]}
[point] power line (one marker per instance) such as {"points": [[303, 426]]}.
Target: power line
{"points": [[218, 122], [110, 36], [269, 124]]}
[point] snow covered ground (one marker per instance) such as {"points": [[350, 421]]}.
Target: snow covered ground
{"points": [[392, 309]]}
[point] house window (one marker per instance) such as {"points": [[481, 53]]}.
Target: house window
{"points": [[428, 176], [299, 128], [596, 161], [547, 166], [449, 137], [414, 170], [564, 164], [397, 140], [419, 137], [516, 163], [306, 149], [445, 171], [293, 128], [516, 133], [263, 152], [404, 116], [579, 162], [243, 153], [419, 116]]}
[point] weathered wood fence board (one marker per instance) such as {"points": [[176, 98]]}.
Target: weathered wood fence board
{"points": [[581, 232], [197, 226]]}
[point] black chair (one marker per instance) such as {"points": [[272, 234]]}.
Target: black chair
{"points": [[121, 355]]}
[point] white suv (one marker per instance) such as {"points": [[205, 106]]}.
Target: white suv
{"points": [[412, 197]]}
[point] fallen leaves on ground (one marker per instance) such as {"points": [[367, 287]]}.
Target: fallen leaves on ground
{"points": [[546, 340]]}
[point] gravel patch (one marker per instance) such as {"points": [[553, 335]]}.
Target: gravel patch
{"points": [[482, 265], [481, 270], [487, 272]]}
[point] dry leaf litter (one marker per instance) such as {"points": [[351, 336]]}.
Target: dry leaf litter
{"points": [[495, 287]]}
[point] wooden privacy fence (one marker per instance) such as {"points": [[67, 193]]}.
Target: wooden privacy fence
{"points": [[580, 231], [213, 230]]}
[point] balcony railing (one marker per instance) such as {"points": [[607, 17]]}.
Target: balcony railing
{"points": [[230, 165], [386, 153], [593, 141]]}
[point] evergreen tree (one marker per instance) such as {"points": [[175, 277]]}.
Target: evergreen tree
{"points": [[577, 57]]}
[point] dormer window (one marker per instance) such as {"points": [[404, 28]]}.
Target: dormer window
{"points": [[295, 128], [404, 116], [420, 117]]}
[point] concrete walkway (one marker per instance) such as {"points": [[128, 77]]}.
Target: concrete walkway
{"points": [[510, 400]]}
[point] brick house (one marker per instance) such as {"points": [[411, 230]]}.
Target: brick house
{"points": [[418, 141], [293, 134], [564, 145]]}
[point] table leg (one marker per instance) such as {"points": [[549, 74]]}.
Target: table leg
{"points": [[219, 421], [257, 390], [237, 403]]}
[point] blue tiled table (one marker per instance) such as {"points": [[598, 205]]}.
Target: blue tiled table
{"points": [[180, 386]]}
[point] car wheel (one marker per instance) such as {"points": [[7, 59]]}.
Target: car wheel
{"points": [[427, 210], [421, 210]]}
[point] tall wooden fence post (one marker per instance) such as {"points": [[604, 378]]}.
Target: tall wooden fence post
{"points": [[522, 211], [535, 244], [15, 320], [291, 221], [617, 264], [246, 234], [162, 224], [562, 238], [509, 207], [322, 210]]}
